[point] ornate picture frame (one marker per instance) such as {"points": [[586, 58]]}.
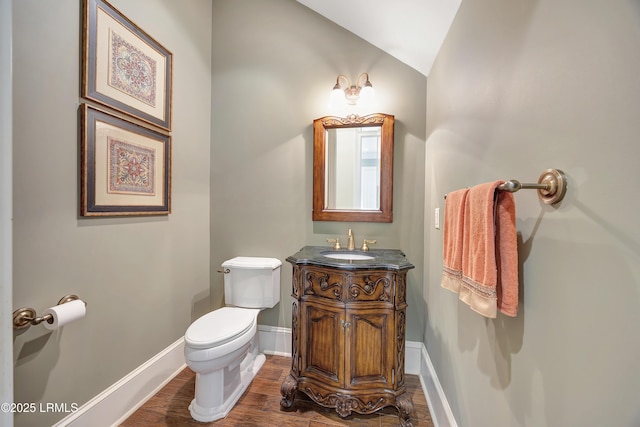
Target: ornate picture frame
{"points": [[123, 67], [125, 168]]}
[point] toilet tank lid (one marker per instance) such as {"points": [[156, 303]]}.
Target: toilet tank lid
{"points": [[247, 262]]}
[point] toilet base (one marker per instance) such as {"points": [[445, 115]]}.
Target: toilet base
{"points": [[229, 383]]}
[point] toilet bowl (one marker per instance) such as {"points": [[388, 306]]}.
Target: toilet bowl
{"points": [[222, 346]]}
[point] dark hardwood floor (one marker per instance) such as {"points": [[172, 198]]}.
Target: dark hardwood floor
{"points": [[259, 406]]}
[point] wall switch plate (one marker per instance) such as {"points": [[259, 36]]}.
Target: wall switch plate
{"points": [[436, 222]]}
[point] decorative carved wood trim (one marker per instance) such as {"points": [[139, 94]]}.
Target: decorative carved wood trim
{"points": [[318, 283], [295, 281], [295, 359], [374, 288], [405, 407], [401, 324], [401, 291], [345, 404], [288, 390], [353, 120]]}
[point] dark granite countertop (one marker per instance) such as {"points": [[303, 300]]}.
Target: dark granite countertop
{"points": [[384, 259]]}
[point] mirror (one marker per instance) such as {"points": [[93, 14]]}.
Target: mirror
{"points": [[353, 168]]}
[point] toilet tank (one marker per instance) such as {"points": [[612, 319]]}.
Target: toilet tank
{"points": [[252, 282]]}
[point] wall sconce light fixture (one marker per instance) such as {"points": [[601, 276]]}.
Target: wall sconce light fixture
{"points": [[350, 94]]}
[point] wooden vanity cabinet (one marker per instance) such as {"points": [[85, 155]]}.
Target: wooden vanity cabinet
{"points": [[348, 340]]}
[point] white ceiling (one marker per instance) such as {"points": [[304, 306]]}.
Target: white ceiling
{"points": [[412, 31]]}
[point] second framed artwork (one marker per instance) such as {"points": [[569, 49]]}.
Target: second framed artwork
{"points": [[125, 168], [123, 67]]}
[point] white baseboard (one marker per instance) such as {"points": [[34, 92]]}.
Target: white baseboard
{"points": [[118, 402], [412, 355], [275, 340], [436, 399]]}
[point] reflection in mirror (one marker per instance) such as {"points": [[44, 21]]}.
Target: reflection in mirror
{"points": [[353, 168]]}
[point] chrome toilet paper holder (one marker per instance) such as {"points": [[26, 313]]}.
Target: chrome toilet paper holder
{"points": [[25, 317]]}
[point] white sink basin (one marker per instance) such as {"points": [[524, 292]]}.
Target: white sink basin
{"points": [[348, 256]]}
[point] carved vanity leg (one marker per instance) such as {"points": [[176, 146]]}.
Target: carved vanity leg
{"points": [[405, 408], [288, 390]]}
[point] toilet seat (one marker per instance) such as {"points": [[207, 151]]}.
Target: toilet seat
{"points": [[219, 327]]}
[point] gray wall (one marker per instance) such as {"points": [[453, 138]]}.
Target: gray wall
{"points": [[144, 279], [519, 87], [247, 85], [274, 65]]}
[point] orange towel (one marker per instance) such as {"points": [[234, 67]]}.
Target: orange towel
{"points": [[507, 253], [452, 241], [490, 257]]}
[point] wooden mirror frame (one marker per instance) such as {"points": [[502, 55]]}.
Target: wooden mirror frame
{"points": [[320, 126]]}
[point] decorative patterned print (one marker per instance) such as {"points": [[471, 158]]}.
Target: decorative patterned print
{"points": [[132, 72], [131, 168]]}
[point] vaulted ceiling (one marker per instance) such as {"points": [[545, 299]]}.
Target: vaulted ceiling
{"points": [[412, 31]]}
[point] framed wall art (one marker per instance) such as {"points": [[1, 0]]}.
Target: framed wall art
{"points": [[123, 67], [125, 168]]}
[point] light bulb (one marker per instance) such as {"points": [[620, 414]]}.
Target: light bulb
{"points": [[336, 99], [366, 94]]}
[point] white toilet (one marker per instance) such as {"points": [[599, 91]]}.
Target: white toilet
{"points": [[222, 346]]}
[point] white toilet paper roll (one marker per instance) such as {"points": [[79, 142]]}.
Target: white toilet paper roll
{"points": [[65, 313]]}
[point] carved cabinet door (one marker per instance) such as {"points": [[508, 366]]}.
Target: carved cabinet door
{"points": [[322, 342], [369, 349], [348, 348]]}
